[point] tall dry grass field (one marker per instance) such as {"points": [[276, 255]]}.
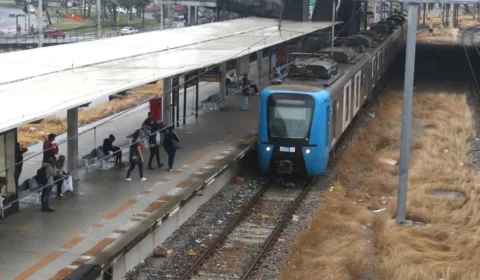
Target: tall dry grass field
{"points": [[347, 240]]}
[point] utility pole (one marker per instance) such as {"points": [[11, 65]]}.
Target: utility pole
{"points": [[39, 23], [430, 25], [333, 28], [407, 112], [28, 16], [161, 18], [99, 19]]}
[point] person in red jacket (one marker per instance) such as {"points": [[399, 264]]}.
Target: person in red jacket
{"points": [[50, 149]]}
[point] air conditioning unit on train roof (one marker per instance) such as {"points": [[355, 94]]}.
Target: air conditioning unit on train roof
{"points": [[376, 36], [390, 23], [359, 40], [380, 27], [316, 66], [341, 54]]}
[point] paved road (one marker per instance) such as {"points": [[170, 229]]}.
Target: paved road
{"points": [[6, 22]]}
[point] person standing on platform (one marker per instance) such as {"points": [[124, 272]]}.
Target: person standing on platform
{"points": [[136, 156], [246, 85], [19, 151], [49, 149], [148, 122], [48, 172], [154, 141], [171, 144], [61, 174]]}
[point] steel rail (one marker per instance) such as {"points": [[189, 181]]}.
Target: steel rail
{"points": [[278, 229], [222, 237], [467, 56]]}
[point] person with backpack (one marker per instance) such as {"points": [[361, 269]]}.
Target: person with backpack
{"points": [[45, 177], [136, 156], [171, 144], [154, 141]]}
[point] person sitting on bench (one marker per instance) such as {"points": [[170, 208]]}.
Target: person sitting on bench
{"points": [[108, 147]]}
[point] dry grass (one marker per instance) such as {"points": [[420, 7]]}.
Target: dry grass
{"points": [[346, 240], [446, 34], [442, 35], [59, 126]]}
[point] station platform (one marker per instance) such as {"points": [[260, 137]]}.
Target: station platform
{"points": [[106, 209]]}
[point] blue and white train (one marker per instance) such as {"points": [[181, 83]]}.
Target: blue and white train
{"points": [[302, 118]]}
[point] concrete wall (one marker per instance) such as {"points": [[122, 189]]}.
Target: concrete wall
{"points": [[144, 248]]}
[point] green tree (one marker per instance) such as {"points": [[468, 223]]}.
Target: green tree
{"points": [[140, 5]]}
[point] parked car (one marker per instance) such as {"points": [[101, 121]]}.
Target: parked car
{"points": [[128, 30], [54, 33]]}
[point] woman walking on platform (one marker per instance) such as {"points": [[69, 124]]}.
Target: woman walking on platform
{"points": [[136, 156], [171, 144]]}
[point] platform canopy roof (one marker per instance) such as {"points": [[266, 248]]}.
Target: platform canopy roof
{"points": [[37, 83]]}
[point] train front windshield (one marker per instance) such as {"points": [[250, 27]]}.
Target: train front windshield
{"points": [[289, 115]]}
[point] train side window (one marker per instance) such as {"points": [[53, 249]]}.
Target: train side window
{"points": [[365, 90], [357, 90], [334, 120], [374, 66], [327, 134], [346, 104]]}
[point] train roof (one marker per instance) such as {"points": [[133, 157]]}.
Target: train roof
{"points": [[344, 59], [291, 87]]}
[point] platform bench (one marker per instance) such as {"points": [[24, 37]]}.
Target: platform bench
{"points": [[100, 156]]}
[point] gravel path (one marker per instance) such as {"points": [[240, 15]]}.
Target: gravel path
{"points": [[196, 233]]}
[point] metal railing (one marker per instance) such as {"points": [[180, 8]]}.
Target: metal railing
{"points": [[12, 37]]}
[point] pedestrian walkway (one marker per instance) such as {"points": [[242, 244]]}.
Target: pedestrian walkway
{"points": [[36, 245]]}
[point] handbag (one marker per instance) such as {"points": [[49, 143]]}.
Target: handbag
{"points": [[176, 145]]}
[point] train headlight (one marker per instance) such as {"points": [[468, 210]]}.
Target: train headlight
{"points": [[307, 151], [268, 149]]}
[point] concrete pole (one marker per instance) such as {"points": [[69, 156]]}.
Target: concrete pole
{"points": [[99, 19], [365, 22], [374, 11], [167, 101], [407, 112], [223, 77], [259, 67], [237, 71], [72, 143], [451, 15], [424, 12], [442, 22], [162, 20], [39, 23], [430, 25], [196, 15], [333, 29]]}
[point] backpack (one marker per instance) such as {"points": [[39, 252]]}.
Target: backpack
{"points": [[41, 177], [152, 139]]}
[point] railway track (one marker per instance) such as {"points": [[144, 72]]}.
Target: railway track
{"points": [[242, 244], [468, 41]]}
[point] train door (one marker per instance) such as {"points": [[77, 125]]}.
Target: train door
{"points": [[333, 123], [347, 92], [374, 66], [357, 90]]}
